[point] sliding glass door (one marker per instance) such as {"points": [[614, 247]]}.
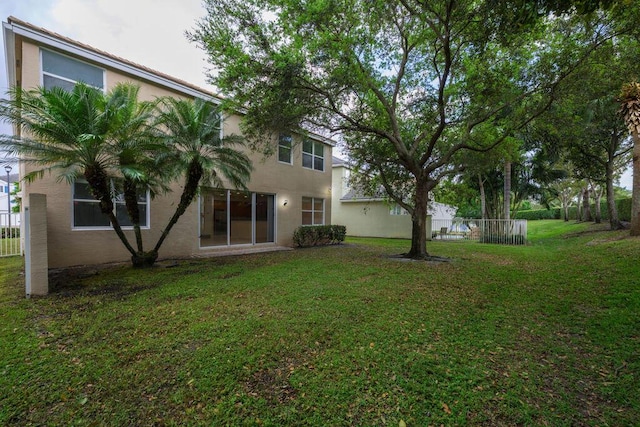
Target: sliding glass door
{"points": [[232, 217]]}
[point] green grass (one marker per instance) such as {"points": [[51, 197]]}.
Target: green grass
{"points": [[543, 334]]}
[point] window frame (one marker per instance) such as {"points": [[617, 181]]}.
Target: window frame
{"points": [[313, 154], [313, 211], [397, 210], [281, 146], [67, 79], [116, 203]]}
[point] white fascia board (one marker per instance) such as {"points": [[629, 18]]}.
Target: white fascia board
{"points": [[322, 139], [10, 53], [367, 200], [96, 57]]}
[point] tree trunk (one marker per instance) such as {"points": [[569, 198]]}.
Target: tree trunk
{"points": [[564, 199], [586, 206], [483, 198], [507, 190], [612, 210], [597, 196], [99, 185], [419, 223], [194, 174], [635, 197], [133, 210]]}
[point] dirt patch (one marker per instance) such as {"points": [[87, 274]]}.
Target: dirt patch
{"points": [[431, 260], [272, 384]]}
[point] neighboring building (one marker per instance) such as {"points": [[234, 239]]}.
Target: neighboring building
{"points": [[5, 191], [285, 191], [373, 216]]}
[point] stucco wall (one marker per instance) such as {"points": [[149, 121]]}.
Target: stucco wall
{"points": [[68, 246], [368, 218]]}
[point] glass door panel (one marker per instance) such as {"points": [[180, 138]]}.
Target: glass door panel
{"points": [[240, 209], [213, 218], [265, 221]]}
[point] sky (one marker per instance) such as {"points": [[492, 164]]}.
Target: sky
{"points": [[147, 32]]}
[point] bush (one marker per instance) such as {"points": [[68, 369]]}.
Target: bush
{"points": [[4, 233], [536, 214], [316, 235], [623, 206]]}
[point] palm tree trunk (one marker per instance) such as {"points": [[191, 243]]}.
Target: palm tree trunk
{"points": [[194, 174], [99, 185], [483, 198], [507, 190], [635, 197], [133, 210]]}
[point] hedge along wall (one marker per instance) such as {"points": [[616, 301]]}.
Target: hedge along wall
{"points": [[623, 206]]}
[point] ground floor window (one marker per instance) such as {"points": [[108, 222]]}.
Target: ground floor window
{"points": [[87, 213], [233, 217], [398, 210], [312, 211]]}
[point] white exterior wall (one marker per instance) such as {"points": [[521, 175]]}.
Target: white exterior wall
{"points": [[370, 218]]}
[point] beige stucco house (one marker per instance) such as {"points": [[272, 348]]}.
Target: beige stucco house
{"points": [[373, 216], [289, 189]]}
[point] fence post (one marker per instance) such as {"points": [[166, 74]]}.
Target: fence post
{"points": [[36, 250]]}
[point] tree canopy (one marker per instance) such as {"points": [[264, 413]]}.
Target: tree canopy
{"points": [[406, 85]]}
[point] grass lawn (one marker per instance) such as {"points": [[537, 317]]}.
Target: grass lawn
{"points": [[543, 334]]}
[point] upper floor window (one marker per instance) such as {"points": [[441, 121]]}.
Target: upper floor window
{"points": [[87, 213], [313, 155], [284, 148], [63, 71]]}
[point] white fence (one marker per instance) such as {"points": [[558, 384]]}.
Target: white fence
{"points": [[503, 231], [10, 242]]}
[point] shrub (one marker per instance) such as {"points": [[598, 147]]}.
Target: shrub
{"points": [[536, 214], [315, 235], [4, 233]]}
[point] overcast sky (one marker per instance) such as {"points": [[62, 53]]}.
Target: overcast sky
{"points": [[148, 32]]}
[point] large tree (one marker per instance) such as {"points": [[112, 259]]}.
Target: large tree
{"points": [[102, 137], [630, 110], [407, 84]]}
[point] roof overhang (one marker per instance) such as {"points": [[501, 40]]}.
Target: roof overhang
{"points": [[16, 27]]}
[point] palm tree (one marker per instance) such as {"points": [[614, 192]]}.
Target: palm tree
{"points": [[137, 145], [630, 110], [64, 133], [200, 155], [86, 133]]}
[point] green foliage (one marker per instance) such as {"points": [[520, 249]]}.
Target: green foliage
{"points": [[17, 200], [536, 214], [623, 206], [410, 86], [97, 136], [6, 233], [318, 235]]}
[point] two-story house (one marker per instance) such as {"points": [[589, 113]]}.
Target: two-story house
{"points": [[289, 189]]}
